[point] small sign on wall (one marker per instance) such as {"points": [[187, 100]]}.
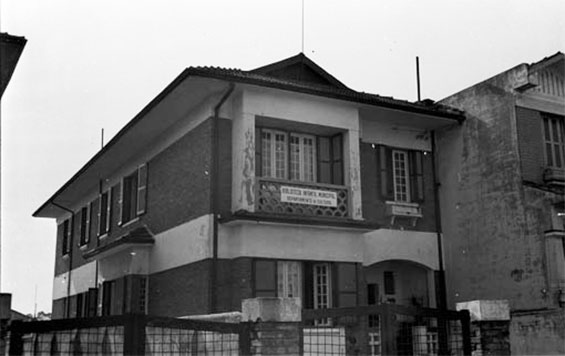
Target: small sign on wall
{"points": [[308, 196]]}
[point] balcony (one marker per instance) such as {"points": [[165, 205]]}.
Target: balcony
{"points": [[283, 197]]}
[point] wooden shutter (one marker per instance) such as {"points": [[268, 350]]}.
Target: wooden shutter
{"points": [[87, 228], [109, 211], [384, 160], [118, 296], [337, 159], [141, 189], [92, 302], [121, 203], [107, 298], [258, 153], [324, 160], [265, 278], [346, 290], [416, 172]]}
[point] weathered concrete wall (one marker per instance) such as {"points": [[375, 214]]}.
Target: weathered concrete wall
{"points": [[539, 333], [487, 250]]}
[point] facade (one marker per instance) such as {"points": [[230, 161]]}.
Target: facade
{"points": [[502, 197], [232, 184]]}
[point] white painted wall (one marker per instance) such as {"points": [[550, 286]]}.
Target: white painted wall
{"points": [[82, 278], [390, 134], [251, 102], [384, 244], [183, 244], [287, 241]]}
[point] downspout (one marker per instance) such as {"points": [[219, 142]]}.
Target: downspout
{"points": [[215, 201], [441, 288], [67, 303]]}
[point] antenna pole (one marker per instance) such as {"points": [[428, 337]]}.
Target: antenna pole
{"points": [[418, 75], [302, 26], [102, 139]]}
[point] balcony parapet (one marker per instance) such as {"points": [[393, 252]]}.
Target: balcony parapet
{"points": [[282, 197]]}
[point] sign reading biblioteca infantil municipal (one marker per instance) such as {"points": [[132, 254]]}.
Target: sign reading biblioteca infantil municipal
{"points": [[308, 196]]}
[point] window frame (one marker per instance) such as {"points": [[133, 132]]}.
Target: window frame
{"points": [[105, 211], [265, 160], [554, 137], [67, 236], [135, 186], [406, 177], [84, 225]]}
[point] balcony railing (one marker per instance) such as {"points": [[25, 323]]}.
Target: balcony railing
{"points": [[279, 196]]}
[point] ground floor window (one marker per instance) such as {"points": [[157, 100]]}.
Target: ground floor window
{"points": [[318, 284]]}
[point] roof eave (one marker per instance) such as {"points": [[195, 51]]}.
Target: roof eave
{"points": [[179, 79]]}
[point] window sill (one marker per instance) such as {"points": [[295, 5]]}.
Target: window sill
{"points": [[130, 222], [554, 176], [103, 236], [396, 209], [66, 256], [83, 246]]}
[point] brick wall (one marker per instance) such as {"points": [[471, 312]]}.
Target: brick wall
{"points": [[178, 191], [234, 283], [180, 291], [374, 207], [530, 143]]}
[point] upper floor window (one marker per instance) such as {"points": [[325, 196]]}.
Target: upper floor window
{"points": [[105, 212], [299, 157], [67, 236], [554, 139], [84, 227], [133, 194], [401, 174]]}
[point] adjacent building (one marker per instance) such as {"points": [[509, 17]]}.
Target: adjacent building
{"points": [[232, 184], [502, 176]]}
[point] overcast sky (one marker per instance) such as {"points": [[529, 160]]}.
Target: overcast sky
{"points": [[89, 65]]}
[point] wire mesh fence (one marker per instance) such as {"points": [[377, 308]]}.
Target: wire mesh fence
{"points": [[386, 330], [128, 335]]}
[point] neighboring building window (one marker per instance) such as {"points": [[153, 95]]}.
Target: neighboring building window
{"points": [[134, 194], [554, 138], [107, 297], [105, 212], [67, 236], [401, 175], [299, 157], [84, 227]]}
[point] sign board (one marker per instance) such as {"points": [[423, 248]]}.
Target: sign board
{"points": [[308, 196]]}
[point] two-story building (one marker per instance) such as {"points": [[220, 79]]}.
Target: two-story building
{"points": [[503, 200], [232, 184]]}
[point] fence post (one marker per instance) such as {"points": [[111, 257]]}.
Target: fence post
{"points": [[134, 334], [16, 341], [388, 331], [443, 334], [466, 331], [245, 338]]}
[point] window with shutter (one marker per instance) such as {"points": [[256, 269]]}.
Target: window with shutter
{"points": [[67, 236], [554, 140], [84, 227], [104, 212], [299, 157], [133, 197]]}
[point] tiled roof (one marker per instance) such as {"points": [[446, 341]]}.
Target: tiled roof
{"points": [[250, 77]]}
